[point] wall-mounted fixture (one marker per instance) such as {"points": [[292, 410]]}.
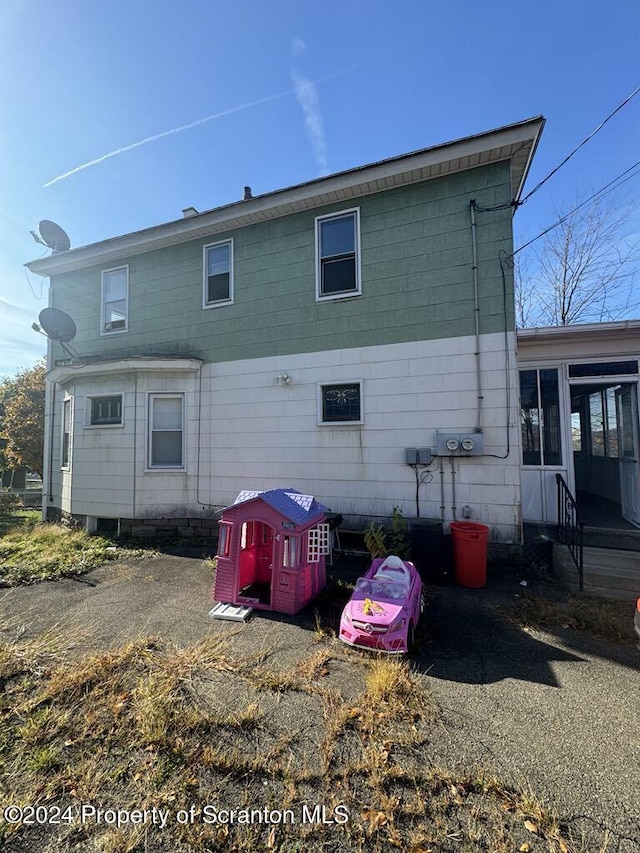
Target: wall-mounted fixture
{"points": [[284, 379], [461, 444]]}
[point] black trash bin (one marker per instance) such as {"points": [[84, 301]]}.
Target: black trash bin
{"points": [[428, 550]]}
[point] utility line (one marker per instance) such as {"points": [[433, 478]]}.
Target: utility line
{"points": [[602, 191], [578, 147]]}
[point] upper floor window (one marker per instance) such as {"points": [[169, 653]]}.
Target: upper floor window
{"points": [[218, 274], [105, 411], [115, 300], [338, 255]]}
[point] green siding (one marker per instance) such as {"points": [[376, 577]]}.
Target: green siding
{"points": [[416, 280]]}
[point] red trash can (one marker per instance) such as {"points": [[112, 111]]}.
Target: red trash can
{"points": [[470, 553]]}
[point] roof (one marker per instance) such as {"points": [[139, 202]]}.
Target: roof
{"points": [[580, 332], [515, 143], [292, 504]]}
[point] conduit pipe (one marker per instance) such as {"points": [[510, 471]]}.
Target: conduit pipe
{"points": [[453, 488], [476, 311], [442, 505]]}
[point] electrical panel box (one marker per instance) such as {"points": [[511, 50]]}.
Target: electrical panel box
{"points": [[460, 444], [425, 456], [418, 455]]}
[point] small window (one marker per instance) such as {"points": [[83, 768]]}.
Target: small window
{"points": [[66, 433], [218, 274], [106, 411], [341, 403], [338, 255], [290, 552], [224, 539], [166, 433], [115, 298]]}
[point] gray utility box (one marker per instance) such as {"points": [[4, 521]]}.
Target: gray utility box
{"points": [[418, 455], [460, 444]]}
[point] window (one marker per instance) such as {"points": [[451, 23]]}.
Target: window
{"points": [[603, 423], [166, 432], [338, 255], [218, 274], [224, 539], [340, 403], [66, 433], [115, 287], [105, 411], [540, 417]]}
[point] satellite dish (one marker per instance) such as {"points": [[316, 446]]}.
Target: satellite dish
{"points": [[54, 236], [57, 325]]}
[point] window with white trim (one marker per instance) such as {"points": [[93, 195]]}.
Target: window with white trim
{"points": [[166, 431], [115, 300], [105, 410], [218, 274], [65, 455], [338, 255], [340, 403]]}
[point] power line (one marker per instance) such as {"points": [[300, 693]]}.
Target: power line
{"points": [[602, 191], [578, 147]]}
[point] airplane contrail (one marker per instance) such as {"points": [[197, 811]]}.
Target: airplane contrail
{"points": [[173, 130], [249, 105]]}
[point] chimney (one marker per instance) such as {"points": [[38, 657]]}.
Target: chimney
{"points": [[189, 211], [247, 194]]}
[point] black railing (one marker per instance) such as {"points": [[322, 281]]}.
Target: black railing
{"points": [[570, 530]]}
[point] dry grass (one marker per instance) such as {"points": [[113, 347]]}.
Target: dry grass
{"points": [[135, 728], [29, 554], [602, 618]]}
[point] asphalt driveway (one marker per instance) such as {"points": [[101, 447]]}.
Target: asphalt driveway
{"points": [[559, 712]]}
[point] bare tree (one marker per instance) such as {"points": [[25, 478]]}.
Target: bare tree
{"points": [[582, 272]]}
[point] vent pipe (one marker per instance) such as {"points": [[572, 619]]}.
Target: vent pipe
{"points": [[247, 194]]}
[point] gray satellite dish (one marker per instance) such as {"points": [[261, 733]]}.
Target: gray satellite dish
{"points": [[54, 236], [57, 325]]}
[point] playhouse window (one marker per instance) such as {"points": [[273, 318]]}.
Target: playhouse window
{"points": [[290, 552], [224, 539], [247, 535]]}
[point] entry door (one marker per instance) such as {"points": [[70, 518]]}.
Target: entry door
{"points": [[627, 412]]}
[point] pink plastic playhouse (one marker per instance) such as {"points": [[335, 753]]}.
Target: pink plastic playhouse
{"points": [[271, 550]]}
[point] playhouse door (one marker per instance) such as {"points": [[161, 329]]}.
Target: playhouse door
{"points": [[265, 543], [627, 413]]}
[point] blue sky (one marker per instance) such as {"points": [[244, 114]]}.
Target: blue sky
{"points": [[299, 89]]}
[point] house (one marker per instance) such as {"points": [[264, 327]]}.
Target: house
{"points": [[352, 337], [271, 550]]}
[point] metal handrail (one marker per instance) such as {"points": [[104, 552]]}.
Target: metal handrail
{"points": [[570, 530]]}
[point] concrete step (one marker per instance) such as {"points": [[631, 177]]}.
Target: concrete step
{"points": [[608, 572]]}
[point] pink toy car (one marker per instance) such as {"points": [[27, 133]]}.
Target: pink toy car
{"points": [[385, 607]]}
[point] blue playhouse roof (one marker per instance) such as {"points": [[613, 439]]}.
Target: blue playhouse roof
{"points": [[292, 504]]}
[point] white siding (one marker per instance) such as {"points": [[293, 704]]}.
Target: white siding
{"points": [[248, 432]]}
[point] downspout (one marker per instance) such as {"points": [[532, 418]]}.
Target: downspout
{"points": [[135, 443], [51, 430], [476, 311]]}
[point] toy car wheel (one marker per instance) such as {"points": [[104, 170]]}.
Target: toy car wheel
{"points": [[411, 638]]}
